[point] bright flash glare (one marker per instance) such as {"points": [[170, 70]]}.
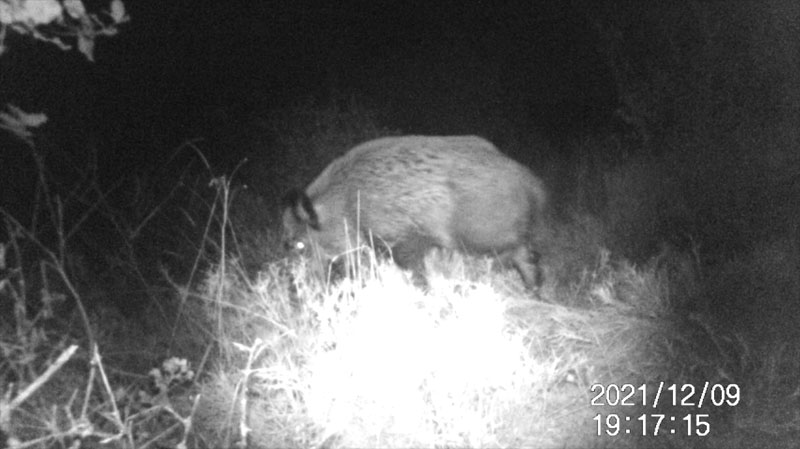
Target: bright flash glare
{"points": [[424, 367]]}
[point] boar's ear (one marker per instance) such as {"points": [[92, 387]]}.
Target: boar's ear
{"points": [[301, 207]]}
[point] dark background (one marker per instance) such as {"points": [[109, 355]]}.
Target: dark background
{"points": [[433, 67], [671, 121]]}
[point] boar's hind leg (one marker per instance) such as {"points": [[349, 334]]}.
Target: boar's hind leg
{"points": [[527, 263]]}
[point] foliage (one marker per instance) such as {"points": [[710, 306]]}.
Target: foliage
{"points": [[65, 272], [60, 22]]}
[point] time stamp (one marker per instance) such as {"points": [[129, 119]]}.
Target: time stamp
{"points": [[695, 422]]}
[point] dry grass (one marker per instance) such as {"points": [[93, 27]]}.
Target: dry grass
{"points": [[472, 363]]}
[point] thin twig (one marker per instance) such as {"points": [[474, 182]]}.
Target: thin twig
{"points": [[44, 377]]}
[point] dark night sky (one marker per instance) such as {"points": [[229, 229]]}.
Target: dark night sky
{"points": [[176, 62], [431, 67], [279, 49]]}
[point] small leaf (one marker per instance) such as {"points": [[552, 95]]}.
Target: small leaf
{"points": [[86, 46], [28, 119], [40, 12], [118, 11], [6, 14], [75, 8], [18, 121]]}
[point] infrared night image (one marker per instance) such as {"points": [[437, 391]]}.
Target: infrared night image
{"points": [[296, 224]]}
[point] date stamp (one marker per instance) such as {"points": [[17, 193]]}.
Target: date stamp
{"points": [[672, 395], [692, 422]]}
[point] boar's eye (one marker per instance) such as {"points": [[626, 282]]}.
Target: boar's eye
{"points": [[296, 246]]}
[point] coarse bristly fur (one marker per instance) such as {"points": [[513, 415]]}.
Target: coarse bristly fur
{"points": [[413, 193]]}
